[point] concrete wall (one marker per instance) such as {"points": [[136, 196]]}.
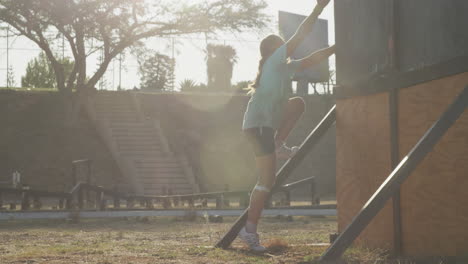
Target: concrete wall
{"points": [[35, 140], [208, 127]]}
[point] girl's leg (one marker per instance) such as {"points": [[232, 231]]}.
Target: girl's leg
{"points": [[266, 166], [293, 111]]}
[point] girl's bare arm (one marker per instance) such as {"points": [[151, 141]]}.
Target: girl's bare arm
{"points": [[316, 57], [306, 27]]}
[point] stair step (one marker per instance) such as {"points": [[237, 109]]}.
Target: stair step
{"points": [[155, 165], [159, 182], [131, 145], [141, 138], [148, 175], [134, 149], [157, 171], [116, 113], [106, 106], [142, 152], [136, 133], [131, 126], [136, 156], [134, 129], [163, 160], [173, 187]]}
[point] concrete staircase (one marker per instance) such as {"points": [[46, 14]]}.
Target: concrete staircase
{"points": [[139, 146]]}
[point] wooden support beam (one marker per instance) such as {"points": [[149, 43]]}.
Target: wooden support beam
{"points": [[285, 171], [25, 205], [397, 177]]}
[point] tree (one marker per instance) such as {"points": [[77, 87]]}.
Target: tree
{"points": [[111, 26], [40, 73], [220, 60], [157, 73]]}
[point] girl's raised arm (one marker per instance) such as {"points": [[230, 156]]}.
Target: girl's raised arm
{"points": [[305, 28]]}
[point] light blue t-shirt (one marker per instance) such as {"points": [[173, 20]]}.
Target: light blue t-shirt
{"points": [[266, 106]]}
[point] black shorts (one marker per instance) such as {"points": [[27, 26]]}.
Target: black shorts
{"points": [[262, 140]]}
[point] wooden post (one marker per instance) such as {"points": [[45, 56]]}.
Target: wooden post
{"points": [[313, 193], [74, 180], [219, 202], [60, 205], [80, 198], [287, 199], [12, 206], [36, 202], [205, 203], [88, 180], [130, 203], [100, 203], [166, 203], [149, 204], [68, 203], [25, 201], [116, 202], [191, 203]]}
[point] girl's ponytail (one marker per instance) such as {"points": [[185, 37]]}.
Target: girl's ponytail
{"points": [[267, 47], [256, 83]]}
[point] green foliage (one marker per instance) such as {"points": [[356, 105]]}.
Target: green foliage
{"points": [[157, 73], [40, 73], [187, 85]]}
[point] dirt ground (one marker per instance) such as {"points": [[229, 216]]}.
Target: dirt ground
{"points": [[157, 240], [168, 240]]}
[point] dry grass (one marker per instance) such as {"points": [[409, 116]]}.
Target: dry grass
{"points": [[166, 240]]}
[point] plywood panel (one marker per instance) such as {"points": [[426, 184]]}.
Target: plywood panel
{"points": [[434, 211], [363, 162]]}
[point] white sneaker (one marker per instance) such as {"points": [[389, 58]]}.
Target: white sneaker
{"points": [[252, 240], [284, 152]]}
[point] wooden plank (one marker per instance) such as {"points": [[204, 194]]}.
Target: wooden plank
{"points": [[395, 158], [434, 222], [284, 172], [362, 163], [397, 177]]}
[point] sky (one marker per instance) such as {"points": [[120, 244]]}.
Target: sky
{"points": [[187, 50]]}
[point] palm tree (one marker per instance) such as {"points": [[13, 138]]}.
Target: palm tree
{"points": [[220, 60]]}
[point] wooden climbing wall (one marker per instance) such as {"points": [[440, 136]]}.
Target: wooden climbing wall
{"points": [[362, 163], [434, 207], [434, 199]]}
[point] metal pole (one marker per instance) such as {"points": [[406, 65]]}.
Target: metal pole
{"points": [[173, 61], [8, 57], [63, 47], [120, 71]]}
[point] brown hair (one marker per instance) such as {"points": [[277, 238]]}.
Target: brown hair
{"points": [[267, 48]]}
